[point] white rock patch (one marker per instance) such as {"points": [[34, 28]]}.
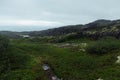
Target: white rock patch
{"points": [[99, 79], [45, 67], [82, 50], [118, 61], [55, 78], [84, 44]]}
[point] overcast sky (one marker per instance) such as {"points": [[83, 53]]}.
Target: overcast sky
{"points": [[21, 15]]}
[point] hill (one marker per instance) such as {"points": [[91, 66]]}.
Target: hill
{"points": [[100, 28]]}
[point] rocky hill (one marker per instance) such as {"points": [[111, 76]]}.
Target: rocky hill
{"points": [[97, 28]]}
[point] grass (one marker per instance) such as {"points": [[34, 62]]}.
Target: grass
{"points": [[23, 64], [103, 46], [67, 63]]}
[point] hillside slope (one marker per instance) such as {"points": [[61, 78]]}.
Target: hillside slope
{"points": [[101, 27]]}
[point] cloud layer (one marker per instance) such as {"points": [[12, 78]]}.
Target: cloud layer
{"points": [[55, 13]]}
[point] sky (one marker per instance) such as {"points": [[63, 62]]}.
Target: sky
{"points": [[28, 15]]}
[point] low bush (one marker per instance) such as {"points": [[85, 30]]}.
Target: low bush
{"points": [[11, 58], [4, 43], [103, 46]]}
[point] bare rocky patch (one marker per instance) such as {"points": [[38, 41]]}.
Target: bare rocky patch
{"points": [[49, 72]]}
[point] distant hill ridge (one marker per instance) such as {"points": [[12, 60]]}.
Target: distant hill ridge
{"points": [[99, 26]]}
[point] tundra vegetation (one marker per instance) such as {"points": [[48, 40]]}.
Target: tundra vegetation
{"points": [[21, 59], [87, 55]]}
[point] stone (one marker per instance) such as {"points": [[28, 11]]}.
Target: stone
{"points": [[45, 67], [84, 44], [54, 78], [82, 50], [118, 61], [99, 79]]}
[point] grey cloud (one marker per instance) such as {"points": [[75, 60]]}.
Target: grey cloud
{"points": [[62, 11]]}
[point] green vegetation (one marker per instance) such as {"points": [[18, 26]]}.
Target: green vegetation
{"points": [[4, 43], [23, 60], [78, 52], [14, 62], [103, 46]]}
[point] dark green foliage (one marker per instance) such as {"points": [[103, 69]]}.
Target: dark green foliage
{"points": [[11, 58], [103, 46], [42, 39], [10, 34], [4, 43], [69, 37], [4, 46], [11, 61]]}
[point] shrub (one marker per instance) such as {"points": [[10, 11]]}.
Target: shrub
{"points": [[103, 46], [11, 58], [4, 42]]}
